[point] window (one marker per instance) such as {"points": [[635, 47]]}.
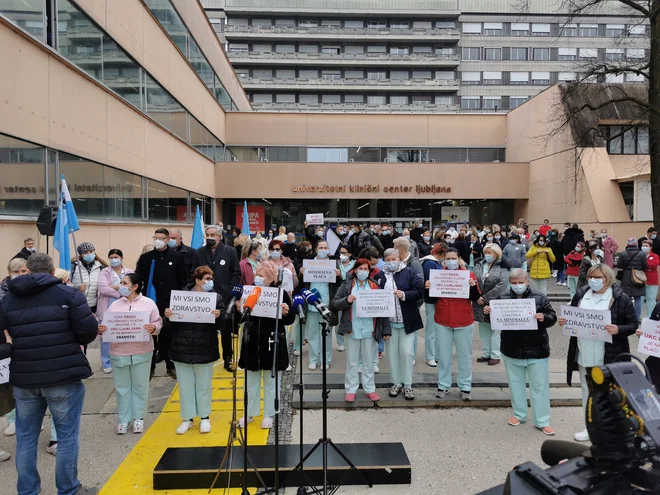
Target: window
{"points": [[445, 74], [568, 54], [167, 203], [567, 77], [421, 100], [376, 49], [238, 48], [168, 17], [540, 29], [308, 23], [470, 103], [637, 30], [471, 53], [614, 30], [128, 85], [332, 50], [235, 21], [399, 100], [265, 23], [332, 155], [614, 78], [331, 74], [423, 50], [445, 25], [470, 77], [588, 53], [330, 99], [635, 54], [518, 53], [471, 28], [541, 53], [285, 48], [589, 30], [282, 98], [354, 74], [285, 73], [331, 23], [614, 54], [635, 78], [569, 30], [492, 78], [445, 50], [262, 98], [308, 48], [262, 48], [308, 74], [262, 73], [422, 24], [519, 78], [22, 167], [399, 25], [376, 75], [407, 155], [399, 75], [403, 50], [376, 100], [642, 140], [541, 78], [516, 101], [519, 29], [492, 53], [354, 99], [493, 28], [376, 24], [444, 100], [285, 23], [354, 24], [626, 140], [421, 74], [355, 49], [492, 102], [308, 99]]}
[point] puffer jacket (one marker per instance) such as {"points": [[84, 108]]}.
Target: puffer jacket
{"points": [[88, 275], [492, 284], [529, 344], [514, 254], [409, 282], [195, 343], [48, 322], [4, 290], [381, 325], [629, 260], [541, 258]]}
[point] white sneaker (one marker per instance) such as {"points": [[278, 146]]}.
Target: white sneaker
{"points": [[205, 426], [52, 449], [267, 423], [414, 362], [327, 367], [311, 366], [122, 429], [296, 352], [10, 431], [581, 436], [288, 369], [360, 369], [564, 284], [558, 283], [376, 370], [184, 427], [341, 348], [4, 456], [107, 371], [138, 426], [241, 422], [432, 363]]}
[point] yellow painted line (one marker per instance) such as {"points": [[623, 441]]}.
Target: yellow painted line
{"points": [[135, 474]]}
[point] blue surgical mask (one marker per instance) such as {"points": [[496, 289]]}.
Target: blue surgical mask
{"points": [[319, 234], [208, 286], [171, 243], [646, 249], [124, 290], [115, 262], [322, 253], [489, 258], [427, 238], [578, 249], [344, 258], [386, 232], [541, 243], [276, 254], [596, 284], [654, 236], [392, 266], [406, 237], [519, 289], [362, 275], [259, 281], [451, 264], [88, 258], [490, 239], [498, 237]]}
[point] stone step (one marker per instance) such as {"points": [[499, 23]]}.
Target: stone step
{"points": [[495, 379], [425, 397]]}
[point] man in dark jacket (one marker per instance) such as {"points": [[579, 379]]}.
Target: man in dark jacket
{"points": [[387, 236], [290, 249], [359, 240], [652, 235], [632, 259], [188, 253], [223, 260], [572, 236], [48, 323], [28, 249], [169, 274]]}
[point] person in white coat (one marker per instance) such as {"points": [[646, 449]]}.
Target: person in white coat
{"points": [[85, 273]]}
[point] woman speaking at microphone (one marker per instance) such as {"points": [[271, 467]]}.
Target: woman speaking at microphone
{"points": [[257, 356], [361, 334], [193, 350]]}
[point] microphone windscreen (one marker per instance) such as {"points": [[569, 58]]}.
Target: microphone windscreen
{"points": [[237, 291], [310, 296], [253, 298], [555, 451], [298, 300]]}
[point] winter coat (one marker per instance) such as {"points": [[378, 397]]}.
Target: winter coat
{"points": [[491, 285], [585, 265], [463, 247], [413, 249], [81, 273], [357, 242], [23, 254], [48, 322], [430, 263], [107, 295], [529, 344], [610, 247], [247, 273], [195, 343], [226, 270], [188, 254], [412, 285], [573, 261], [477, 250], [381, 325], [514, 254], [424, 249], [571, 238], [257, 355], [416, 265], [4, 289], [456, 313], [632, 259], [540, 257], [623, 315], [557, 250], [169, 274]]}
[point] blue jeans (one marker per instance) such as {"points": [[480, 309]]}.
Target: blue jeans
{"points": [[638, 300], [105, 355], [65, 403], [561, 276]]}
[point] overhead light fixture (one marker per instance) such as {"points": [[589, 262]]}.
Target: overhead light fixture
{"points": [[264, 199], [360, 207]]}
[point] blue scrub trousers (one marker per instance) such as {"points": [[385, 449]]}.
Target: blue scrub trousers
{"points": [[518, 371], [430, 332], [254, 392], [490, 341], [445, 340], [194, 389], [651, 296], [314, 339], [572, 285], [131, 377]]}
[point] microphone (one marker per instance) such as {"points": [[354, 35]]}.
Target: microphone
{"points": [[236, 294], [555, 451], [280, 276], [298, 303], [313, 297], [250, 303]]}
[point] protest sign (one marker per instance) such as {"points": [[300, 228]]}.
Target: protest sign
{"points": [[586, 323], [126, 327], [193, 307], [450, 283], [287, 280], [374, 303], [314, 218], [4, 371], [267, 304], [649, 341], [513, 314], [320, 271]]}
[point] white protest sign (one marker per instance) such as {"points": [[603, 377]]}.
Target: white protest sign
{"points": [[287, 280], [126, 327], [586, 323], [4, 371], [314, 218], [193, 307], [513, 314], [450, 283], [375, 303], [649, 341], [320, 271], [267, 304]]}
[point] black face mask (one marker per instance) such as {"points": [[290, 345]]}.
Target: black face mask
{"points": [[210, 241]]}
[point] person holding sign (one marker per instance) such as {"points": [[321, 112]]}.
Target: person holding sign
{"points": [[431, 262], [455, 320], [131, 360], [362, 334], [345, 266], [541, 257], [408, 289], [194, 349], [526, 355], [258, 355], [583, 354], [275, 260], [652, 260]]}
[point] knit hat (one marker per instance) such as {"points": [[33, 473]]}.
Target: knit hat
{"points": [[86, 247], [632, 241]]}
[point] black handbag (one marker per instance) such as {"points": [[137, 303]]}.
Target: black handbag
{"points": [[7, 402]]}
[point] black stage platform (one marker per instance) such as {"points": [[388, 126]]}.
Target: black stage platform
{"points": [[195, 467]]}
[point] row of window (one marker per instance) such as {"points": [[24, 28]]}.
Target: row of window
{"points": [[628, 140], [542, 78], [544, 54], [381, 99], [31, 177], [346, 23], [169, 18], [331, 74], [491, 102], [545, 29], [338, 49]]}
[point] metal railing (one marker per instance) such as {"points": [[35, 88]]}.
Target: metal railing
{"points": [[354, 108], [309, 31], [274, 81], [416, 57]]}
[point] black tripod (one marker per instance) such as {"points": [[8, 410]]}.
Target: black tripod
{"points": [[324, 442]]}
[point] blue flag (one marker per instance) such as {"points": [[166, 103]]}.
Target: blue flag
{"points": [[197, 240], [246, 220], [151, 290], [67, 222]]}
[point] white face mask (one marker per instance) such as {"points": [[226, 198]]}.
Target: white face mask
{"points": [[159, 244]]}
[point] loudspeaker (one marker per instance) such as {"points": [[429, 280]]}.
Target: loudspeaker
{"points": [[47, 220]]}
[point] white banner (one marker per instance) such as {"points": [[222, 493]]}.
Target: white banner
{"points": [[450, 283], [586, 323], [126, 327], [287, 280], [4, 371], [314, 218], [513, 314], [374, 303], [320, 271], [267, 304], [193, 307], [649, 341]]}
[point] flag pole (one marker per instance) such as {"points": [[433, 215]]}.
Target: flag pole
{"points": [[75, 244]]}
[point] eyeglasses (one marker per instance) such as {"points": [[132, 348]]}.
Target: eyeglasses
{"points": [[277, 250]]}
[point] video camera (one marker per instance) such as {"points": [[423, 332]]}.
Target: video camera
{"points": [[623, 421]]}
